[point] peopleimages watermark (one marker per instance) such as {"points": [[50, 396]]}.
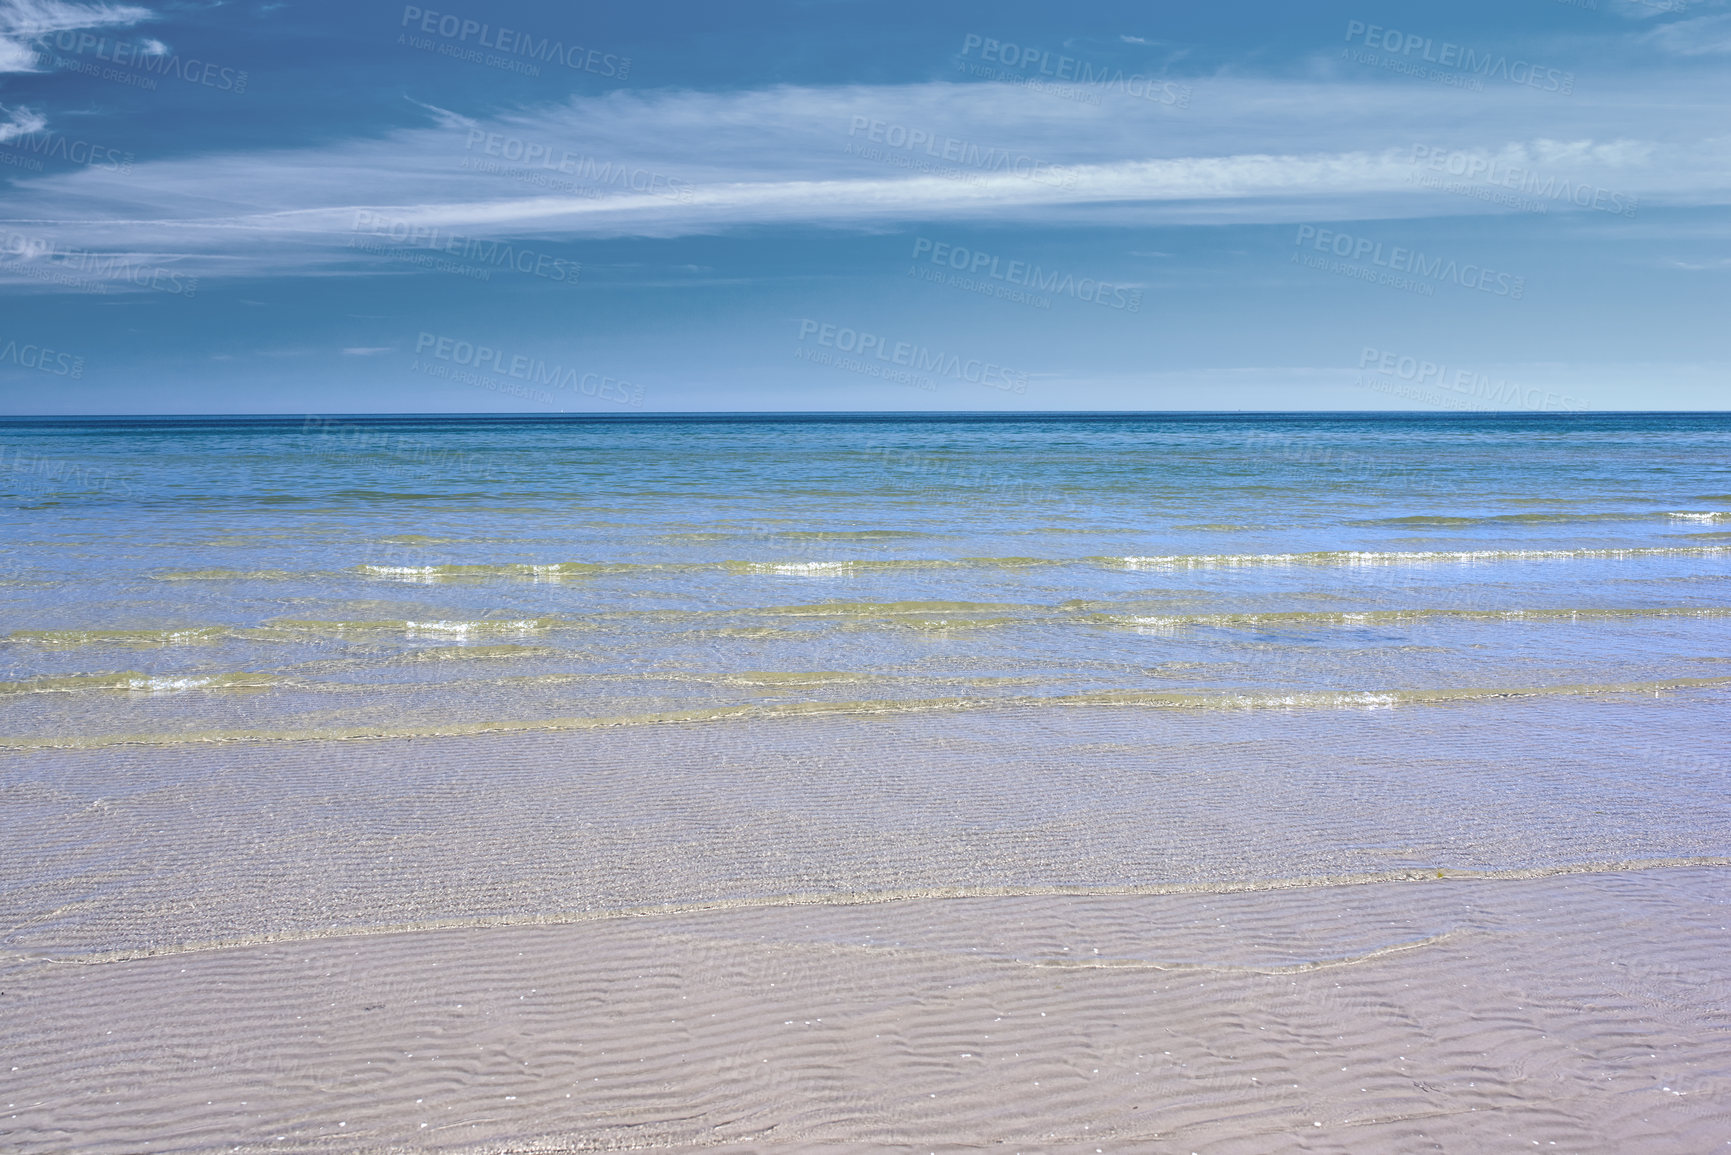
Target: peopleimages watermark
{"points": [[1418, 379], [337, 436], [502, 371], [150, 58], [1012, 280], [1459, 66], [42, 358], [539, 160], [55, 474], [903, 362], [429, 246], [920, 150], [1067, 77], [1307, 451], [41, 259], [1400, 267], [947, 473], [39, 146], [1498, 181], [517, 50]]}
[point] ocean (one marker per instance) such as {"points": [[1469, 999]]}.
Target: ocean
{"points": [[272, 677]]}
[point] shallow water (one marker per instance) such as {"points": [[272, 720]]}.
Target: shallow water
{"points": [[297, 677], [181, 580]]}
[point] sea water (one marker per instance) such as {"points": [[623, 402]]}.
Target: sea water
{"points": [[269, 675]]}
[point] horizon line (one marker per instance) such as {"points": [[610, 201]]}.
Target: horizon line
{"points": [[879, 414]]}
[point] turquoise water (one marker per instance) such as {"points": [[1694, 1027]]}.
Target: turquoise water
{"points": [[353, 576]]}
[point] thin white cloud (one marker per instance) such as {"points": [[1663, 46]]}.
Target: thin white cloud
{"points": [[16, 56], [40, 17], [19, 122], [679, 163], [367, 350], [1699, 36], [22, 21], [444, 117]]}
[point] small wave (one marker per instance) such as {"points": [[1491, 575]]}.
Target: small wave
{"points": [[763, 711], [795, 679], [1388, 558], [1445, 521], [465, 652], [835, 568], [917, 615], [1357, 699], [498, 653], [412, 629], [573, 570], [132, 682], [191, 636], [555, 571], [890, 609], [226, 575], [808, 568], [1703, 518], [1169, 622], [463, 629], [846, 567], [759, 533], [750, 633], [855, 535]]}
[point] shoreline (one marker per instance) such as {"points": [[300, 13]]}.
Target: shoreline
{"points": [[879, 898]]}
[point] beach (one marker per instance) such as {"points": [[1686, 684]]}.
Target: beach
{"points": [[1422, 1015], [1193, 784]]}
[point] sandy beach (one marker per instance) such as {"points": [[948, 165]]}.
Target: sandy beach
{"points": [[701, 935], [1583, 1012], [849, 816]]}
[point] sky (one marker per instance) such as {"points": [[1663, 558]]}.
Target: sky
{"points": [[246, 207]]}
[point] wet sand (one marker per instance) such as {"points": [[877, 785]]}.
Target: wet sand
{"points": [[1578, 1012], [1462, 927], [125, 850]]}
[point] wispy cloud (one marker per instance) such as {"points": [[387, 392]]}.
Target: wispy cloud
{"points": [[444, 117], [682, 163], [1699, 36], [22, 21], [19, 122]]}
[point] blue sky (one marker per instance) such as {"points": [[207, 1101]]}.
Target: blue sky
{"points": [[282, 207]]}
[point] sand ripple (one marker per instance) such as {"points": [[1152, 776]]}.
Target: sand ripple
{"points": [[1588, 1011]]}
